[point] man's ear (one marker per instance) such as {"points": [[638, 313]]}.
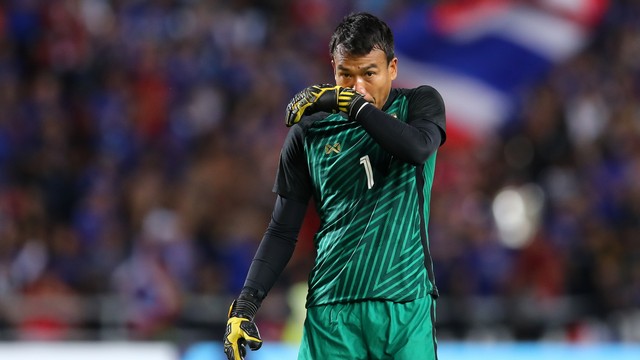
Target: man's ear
{"points": [[393, 68]]}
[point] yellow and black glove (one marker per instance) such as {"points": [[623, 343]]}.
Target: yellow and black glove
{"points": [[241, 330], [325, 97]]}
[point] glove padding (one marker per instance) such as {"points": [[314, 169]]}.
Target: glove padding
{"points": [[241, 331], [325, 97]]}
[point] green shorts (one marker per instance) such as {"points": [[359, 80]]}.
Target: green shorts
{"points": [[370, 330]]}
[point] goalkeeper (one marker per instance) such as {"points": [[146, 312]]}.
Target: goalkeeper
{"points": [[365, 152]]}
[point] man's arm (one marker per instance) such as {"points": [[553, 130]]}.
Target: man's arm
{"points": [[414, 141], [277, 245], [273, 254]]}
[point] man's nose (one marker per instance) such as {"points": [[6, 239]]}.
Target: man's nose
{"points": [[359, 86]]}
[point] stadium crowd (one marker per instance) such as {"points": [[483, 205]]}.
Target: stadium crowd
{"points": [[138, 147]]}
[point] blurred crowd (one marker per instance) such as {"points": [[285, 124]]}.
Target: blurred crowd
{"points": [[139, 141]]}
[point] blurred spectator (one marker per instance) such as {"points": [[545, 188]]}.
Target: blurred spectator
{"points": [[148, 281]]}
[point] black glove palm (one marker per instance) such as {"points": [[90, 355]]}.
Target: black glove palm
{"points": [[325, 97]]}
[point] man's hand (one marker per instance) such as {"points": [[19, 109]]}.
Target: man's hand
{"points": [[241, 330], [325, 97]]}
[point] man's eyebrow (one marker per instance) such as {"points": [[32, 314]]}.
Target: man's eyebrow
{"points": [[364, 68]]}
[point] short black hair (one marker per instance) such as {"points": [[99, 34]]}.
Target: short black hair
{"points": [[360, 33]]}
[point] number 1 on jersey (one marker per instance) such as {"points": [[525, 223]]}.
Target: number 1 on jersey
{"points": [[368, 170]]}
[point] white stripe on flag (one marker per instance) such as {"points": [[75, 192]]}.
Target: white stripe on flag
{"points": [[551, 36], [475, 106]]}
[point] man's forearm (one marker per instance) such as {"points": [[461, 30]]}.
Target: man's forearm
{"points": [[277, 245], [409, 143]]}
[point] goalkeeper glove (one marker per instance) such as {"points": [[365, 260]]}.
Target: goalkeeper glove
{"points": [[325, 97], [241, 330]]}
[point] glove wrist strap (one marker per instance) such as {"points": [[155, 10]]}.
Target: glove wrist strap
{"points": [[244, 309], [246, 305]]}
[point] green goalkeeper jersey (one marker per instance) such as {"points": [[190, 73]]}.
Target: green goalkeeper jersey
{"points": [[372, 242]]}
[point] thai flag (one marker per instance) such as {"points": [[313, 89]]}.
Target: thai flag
{"points": [[482, 55]]}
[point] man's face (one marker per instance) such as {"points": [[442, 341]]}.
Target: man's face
{"points": [[369, 75]]}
